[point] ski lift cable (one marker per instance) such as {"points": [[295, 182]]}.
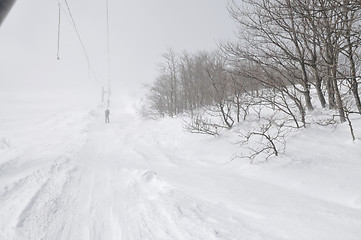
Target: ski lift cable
{"points": [[81, 42]]}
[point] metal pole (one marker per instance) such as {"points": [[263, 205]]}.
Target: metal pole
{"points": [[102, 94]]}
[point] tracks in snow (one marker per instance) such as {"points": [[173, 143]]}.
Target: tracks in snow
{"points": [[101, 194], [112, 189]]}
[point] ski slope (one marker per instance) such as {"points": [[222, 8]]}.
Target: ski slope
{"points": [[67, 175]]}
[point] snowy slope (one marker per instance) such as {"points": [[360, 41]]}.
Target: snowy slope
{"points": [[67, 175]]}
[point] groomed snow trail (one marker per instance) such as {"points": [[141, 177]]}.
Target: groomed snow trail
{"points": [[102, 192], [131, 180]]}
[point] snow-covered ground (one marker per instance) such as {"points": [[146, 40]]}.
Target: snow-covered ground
{"points": [[64, 174]]}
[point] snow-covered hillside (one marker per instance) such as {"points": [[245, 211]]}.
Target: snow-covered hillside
{"points": [[64, 174]]}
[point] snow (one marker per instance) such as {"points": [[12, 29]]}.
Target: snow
{"points": [[64, 174]]}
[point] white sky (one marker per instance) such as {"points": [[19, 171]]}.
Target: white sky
{"points": [[140, 31]]}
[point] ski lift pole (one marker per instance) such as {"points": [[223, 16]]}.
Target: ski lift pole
{"points": [[109, 94], [108, 51], [59, 20], [103, 93]]}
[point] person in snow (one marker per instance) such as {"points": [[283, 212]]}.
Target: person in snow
{"points": [[107, 113]]}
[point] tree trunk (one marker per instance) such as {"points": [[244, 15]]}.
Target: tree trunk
{"points": [[318, 87], [339, 103], [330, 92], [306, 93], [306, 87]]}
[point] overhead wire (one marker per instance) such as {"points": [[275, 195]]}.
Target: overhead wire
{"points": [[81, 42], [69, 15]]}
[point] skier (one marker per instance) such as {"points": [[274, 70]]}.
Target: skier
{"points": [[107, 113]]}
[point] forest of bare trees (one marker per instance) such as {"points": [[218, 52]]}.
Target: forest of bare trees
{"points": [[291, 57]]}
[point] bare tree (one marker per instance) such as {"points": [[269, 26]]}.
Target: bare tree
{"points": [[276, 28], [351, 17], [219, 80], [170, 70]]}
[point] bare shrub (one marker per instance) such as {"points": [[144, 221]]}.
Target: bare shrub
{"points": [[268, 140]]}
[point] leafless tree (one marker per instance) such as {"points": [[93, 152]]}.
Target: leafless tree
{"points": [[351, 17], [273, 29], [219, 80]]}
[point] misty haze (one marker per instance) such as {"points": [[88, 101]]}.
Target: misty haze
{"points": [[180, 120]]}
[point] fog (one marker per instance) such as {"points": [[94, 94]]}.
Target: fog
{"points": [[140, 31]]}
